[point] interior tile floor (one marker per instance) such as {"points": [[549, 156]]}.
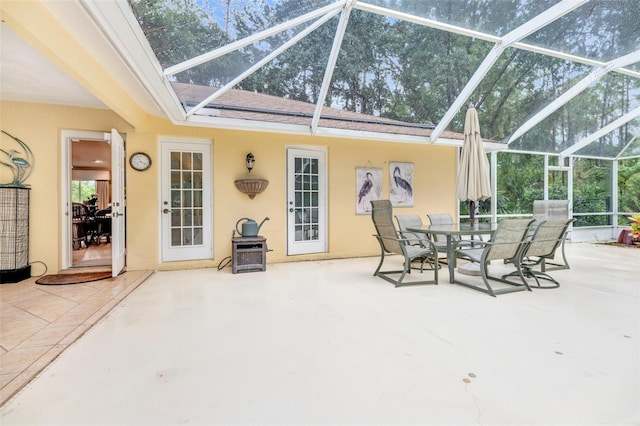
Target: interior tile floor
{"points": [[93, 255], [325, 342]]}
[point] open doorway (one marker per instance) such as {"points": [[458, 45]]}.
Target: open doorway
{"points": [[86, 184], [90, 198], [96, 161]]}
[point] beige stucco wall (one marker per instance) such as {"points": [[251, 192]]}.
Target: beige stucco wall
{"points": [[349, 234]]}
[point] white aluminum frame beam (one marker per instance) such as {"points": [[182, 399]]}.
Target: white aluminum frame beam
{"points": [[205, 57], [331, 63], [545, 18], [255, 67], [627, 145], [574, 91], [402, 16], [484, 36], [601, 132]]}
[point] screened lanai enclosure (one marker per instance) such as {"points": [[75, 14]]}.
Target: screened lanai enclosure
{"points": [[556, 83]]}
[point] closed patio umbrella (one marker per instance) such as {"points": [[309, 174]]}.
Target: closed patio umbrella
{"points": [[473, 168]]}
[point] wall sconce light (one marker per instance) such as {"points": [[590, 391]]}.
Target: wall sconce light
{"points": [[250, 161], [251, 186]]}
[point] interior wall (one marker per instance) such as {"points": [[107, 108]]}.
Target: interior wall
{"points": [[349, 234], [90, 175]]}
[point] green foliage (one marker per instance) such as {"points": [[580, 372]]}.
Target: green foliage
{"points": [[629, 185], [82, 190], [591, 191], [520, 182]]}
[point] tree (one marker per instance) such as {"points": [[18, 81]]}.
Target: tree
{"points": [[629, 185], [178, 30]]}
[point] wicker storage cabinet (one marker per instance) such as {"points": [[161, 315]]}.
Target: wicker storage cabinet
{"points": [[249, 254], [14, 234]]}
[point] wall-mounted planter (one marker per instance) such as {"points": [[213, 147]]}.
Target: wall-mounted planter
{"points": [[251, 186]]}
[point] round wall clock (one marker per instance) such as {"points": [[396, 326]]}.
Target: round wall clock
{"points": [[140, 161]]}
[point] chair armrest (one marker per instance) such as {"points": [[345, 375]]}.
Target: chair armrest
{"points": [[469, 244], [411, 237], [407, 241]]}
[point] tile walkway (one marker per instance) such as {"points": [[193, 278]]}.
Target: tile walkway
{"points": [[38, 322]]}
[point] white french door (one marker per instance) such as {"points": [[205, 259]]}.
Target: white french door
{"points": [[116, 171], [186, 203], [306, 201], [118, 210]]}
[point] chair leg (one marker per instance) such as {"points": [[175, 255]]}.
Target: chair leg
{"points": [[537, 276], [381, 261], [483, 269], [564, 256], [557, 266], [428, 260], [403, 273], [526, 270], [486, 277], [383, 274], [406, 269]]}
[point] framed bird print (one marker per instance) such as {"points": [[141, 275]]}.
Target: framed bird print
{"points": [[368, 187], [401, 184]]}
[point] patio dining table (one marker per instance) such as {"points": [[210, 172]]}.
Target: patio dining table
{"points": [[457, 230]]}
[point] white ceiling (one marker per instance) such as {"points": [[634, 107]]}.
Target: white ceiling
{"points": [[27, 76]]}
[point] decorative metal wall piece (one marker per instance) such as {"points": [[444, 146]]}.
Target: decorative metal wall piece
{"points": [[20, 162]]}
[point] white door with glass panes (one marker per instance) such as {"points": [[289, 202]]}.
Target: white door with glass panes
{"points": [[186, 203], [306, 201]]}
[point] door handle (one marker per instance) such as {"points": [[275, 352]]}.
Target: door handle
{"points": [[166, 211]]}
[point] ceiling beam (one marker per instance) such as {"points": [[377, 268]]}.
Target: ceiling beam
{"points": [[484, 36], [383, 11], [601, 132], [627, 145], [183, 66], [529, 27], [331, 64], [576, 89], [255, 67]]}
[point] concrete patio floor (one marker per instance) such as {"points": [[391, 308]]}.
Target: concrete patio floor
{"points": [[325, 342]]}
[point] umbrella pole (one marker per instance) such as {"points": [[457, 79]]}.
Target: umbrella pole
{"points": [[472, 212]]}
